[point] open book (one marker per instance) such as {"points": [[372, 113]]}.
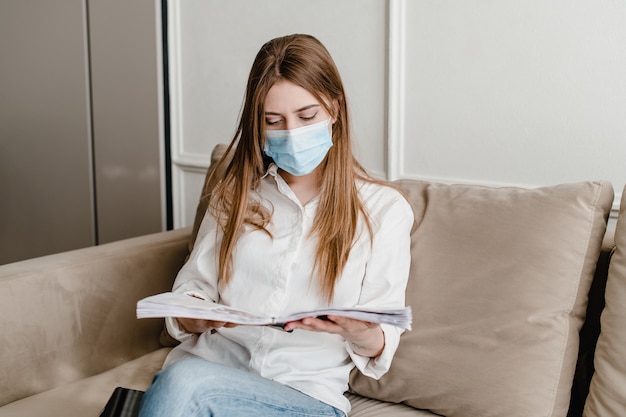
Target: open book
{"points": [[171, 304]]}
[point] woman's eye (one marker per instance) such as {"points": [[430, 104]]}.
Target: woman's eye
{"points": [[308, 117], [272, 122]]}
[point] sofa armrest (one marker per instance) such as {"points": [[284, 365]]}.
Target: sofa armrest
{"points": [[72, 315]]}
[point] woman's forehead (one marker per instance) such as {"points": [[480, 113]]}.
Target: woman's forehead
{"points": [[286, 97]]}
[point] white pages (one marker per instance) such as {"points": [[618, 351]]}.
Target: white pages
{"points": [[171, 304]]}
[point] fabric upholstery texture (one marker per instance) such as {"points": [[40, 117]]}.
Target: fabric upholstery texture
{"points": [[498, 288], [87, 397], [367, 407], [72, 315], [607, 393]]}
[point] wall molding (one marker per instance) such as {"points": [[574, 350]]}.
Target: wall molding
{"points": [[175, 85], [184, 165], [180, 175], [192, 160], [396, 87]]}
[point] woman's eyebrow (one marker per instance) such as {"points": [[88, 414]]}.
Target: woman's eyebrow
{"points": [[310, 106]]}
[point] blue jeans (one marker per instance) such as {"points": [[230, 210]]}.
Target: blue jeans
{"points": [[195, 387]]}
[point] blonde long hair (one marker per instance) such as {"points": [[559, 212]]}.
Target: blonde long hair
{"points": [[304, 61]]}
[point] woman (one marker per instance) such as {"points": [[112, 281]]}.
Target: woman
{"points": [[295, 224]]}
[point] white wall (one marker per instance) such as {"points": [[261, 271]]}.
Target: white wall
{"points": [[212, 47], [516, 92], [500, 93]]}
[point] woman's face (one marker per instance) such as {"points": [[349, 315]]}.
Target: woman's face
{"points": [[288, 106]]}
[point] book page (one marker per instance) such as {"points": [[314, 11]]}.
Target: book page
{"points": [[182, 305]]}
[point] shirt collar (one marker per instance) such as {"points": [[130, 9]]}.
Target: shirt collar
{"points": [[272, 170]]}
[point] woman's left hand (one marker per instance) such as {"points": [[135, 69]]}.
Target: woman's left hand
{"points": [[365, 338]]}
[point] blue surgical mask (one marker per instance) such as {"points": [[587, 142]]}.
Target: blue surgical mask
{"points": [[299, 151]]}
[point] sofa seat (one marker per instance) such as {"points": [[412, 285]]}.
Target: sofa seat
{"points": [[86, 398], [368, 407]]}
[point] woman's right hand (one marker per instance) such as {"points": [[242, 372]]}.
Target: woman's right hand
{"points": [[201, 326]]}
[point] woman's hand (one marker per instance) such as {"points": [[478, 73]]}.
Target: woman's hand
{"points": [[365, 338], [201, 326]]}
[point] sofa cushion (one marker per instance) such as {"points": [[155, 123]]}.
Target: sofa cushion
{"points": [[607, 393], [498, 286]]}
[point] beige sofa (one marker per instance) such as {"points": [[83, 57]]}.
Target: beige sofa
{"points": [[499, 285]]}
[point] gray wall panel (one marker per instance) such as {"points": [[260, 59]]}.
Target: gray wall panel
{"points": [[125, 85], [80, 126], [45, 168]]}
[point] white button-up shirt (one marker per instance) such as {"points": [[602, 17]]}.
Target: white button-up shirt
{"points": [[272, 276]]}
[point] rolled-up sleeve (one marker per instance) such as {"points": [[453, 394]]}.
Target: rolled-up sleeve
{"points": [[386, 277], [198, 276]]}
